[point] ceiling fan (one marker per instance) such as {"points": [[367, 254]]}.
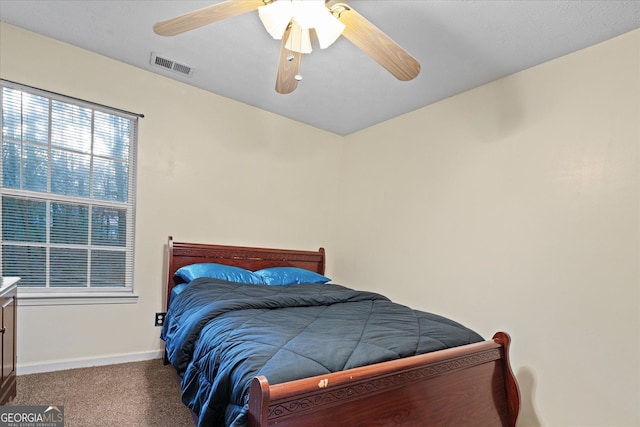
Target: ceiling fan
{"points": [[293, 21]]}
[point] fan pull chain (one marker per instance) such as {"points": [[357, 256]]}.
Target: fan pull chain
{"points": [[298, 76]]}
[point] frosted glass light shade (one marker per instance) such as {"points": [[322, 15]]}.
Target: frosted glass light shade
{"points": [[328, 29], [275, 17], [304, 15]]}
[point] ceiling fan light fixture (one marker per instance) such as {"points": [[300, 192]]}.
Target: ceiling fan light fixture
{"points": [[293, 20], [328, 29], [304, 15], [276, 17]]}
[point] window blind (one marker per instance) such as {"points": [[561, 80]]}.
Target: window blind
{"points": [[67, 191]]}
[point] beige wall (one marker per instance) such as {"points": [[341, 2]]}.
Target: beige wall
{"points": [[210, 170], [515, 207], [510, 207]]}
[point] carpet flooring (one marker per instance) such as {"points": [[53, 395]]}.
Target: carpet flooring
{"points": [[136, 394]]}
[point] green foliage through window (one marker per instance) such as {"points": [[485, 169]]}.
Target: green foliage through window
{"points": [[67, 180]]}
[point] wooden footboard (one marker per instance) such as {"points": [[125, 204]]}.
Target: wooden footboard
{"points": [[468, 385]]}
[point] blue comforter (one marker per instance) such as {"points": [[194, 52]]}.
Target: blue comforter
{"points": [[219, 335]]}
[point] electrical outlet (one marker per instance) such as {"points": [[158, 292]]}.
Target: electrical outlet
{"points": [[160, 319]]}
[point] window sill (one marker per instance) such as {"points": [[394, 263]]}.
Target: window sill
{"points": [[69, 298]]}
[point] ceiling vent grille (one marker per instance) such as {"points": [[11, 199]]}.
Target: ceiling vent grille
{"points": [[171, 65]]}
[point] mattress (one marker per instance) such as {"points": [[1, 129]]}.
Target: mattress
{"points": [[219, 335]]}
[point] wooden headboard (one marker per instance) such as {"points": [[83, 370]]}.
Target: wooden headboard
{"points": [[181, 254]]}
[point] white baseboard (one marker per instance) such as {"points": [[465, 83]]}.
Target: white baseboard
{"points": [[22, 369]]}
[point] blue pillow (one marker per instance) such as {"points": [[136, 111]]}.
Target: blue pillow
{"points": [[218, 271], [289, 276]]}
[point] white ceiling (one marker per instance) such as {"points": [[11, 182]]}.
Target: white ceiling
{"points": [[460, 44]]}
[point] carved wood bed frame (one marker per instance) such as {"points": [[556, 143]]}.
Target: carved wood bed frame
{"points": [[467, 385]]}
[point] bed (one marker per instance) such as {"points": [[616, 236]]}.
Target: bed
{"points": [[470, 384]]}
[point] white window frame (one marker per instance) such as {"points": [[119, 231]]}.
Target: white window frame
{"points": [[86, 295]]}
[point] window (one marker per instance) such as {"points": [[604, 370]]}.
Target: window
{"points": [[67, 194]]}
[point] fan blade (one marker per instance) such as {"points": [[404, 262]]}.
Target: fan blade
{"points": [[288, 67], [372, 41], [207, 15]]}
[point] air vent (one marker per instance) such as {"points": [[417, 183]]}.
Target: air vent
{"points": [[170, 64]]}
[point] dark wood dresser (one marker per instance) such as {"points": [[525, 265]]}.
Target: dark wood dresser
{"points": [[8, 296]]}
